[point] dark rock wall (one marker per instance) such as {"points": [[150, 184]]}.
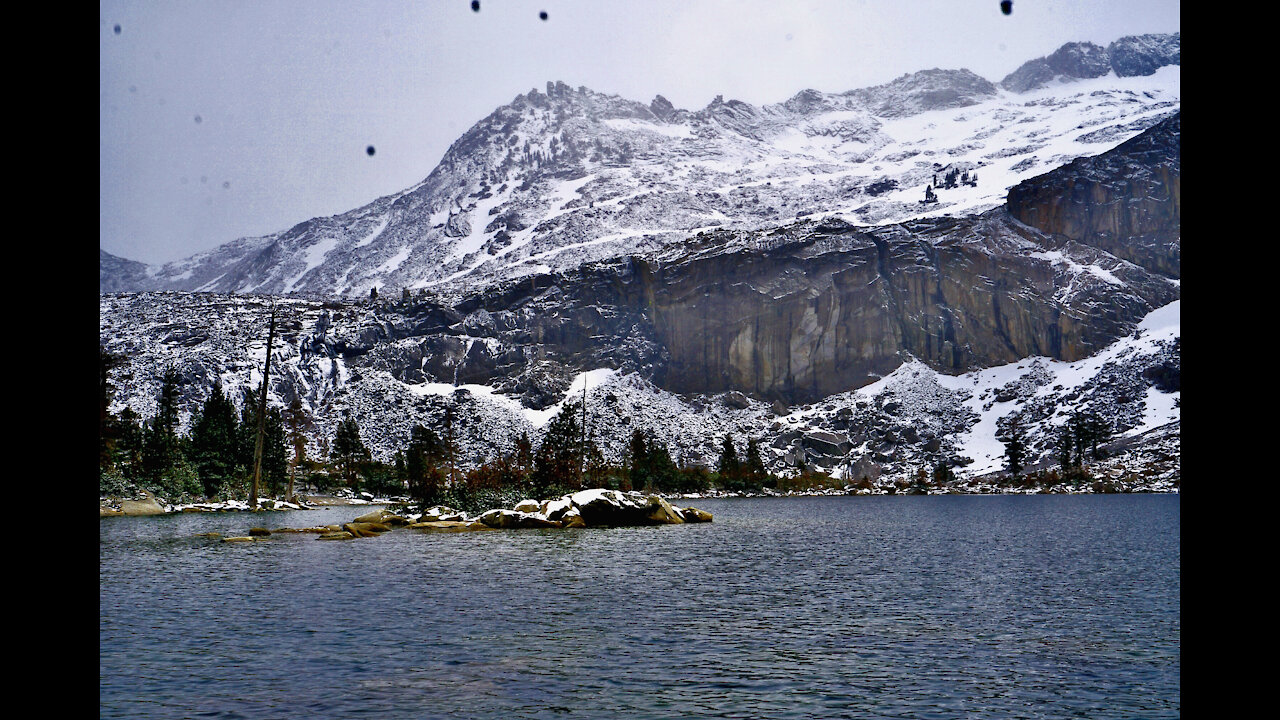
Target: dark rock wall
{"points": [[803, 321], [1127, 202]]}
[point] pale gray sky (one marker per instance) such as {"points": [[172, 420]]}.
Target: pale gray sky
{"points": [[223, 119]]}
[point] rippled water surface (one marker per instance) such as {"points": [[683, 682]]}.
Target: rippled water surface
{"points": [[867, 607]]}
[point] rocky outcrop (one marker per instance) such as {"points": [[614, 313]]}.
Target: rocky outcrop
{"points": [[1126, 202], [613, 508], [383, 517], [825, 309], [503, 519], [1127, 57], [586, 508], [1144, 54], [148, 505], [923, 91]]}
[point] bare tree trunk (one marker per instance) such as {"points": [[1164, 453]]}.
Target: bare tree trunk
{"points": [[262, 414]]}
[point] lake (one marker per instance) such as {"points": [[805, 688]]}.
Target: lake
{"points": [[1042, 606]]}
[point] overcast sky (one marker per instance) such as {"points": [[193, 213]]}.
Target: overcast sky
{"points": [[223, 119]]}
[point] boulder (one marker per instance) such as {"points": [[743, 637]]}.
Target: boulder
{"points": [[447, 526], [148, 506], [827, 443], [510, 519], [240, 538], [600, 507], [259, 532], [661, 511], [557, 509], [694, 515], [528, 506], [340, 535], [365, 529], [383, 517], [572, 519], [442, 512]]}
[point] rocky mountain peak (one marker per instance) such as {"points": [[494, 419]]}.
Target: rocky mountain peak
{"points": [[560, 176], [926, 90], [663, 109], [1127, 57], [1144, 54]]}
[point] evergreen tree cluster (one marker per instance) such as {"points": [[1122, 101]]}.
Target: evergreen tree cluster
{"points": [[954, 178], [1077, 440], [747, 474], [215, 458]]}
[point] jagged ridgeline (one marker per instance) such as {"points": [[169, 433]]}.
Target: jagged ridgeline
{"points": [[559, 178], [861, 350]]}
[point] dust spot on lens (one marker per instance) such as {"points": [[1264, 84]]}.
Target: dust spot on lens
{"points": [[370, 150], [226, 184], [475, 5], [1006, 7], [117, 29], [199, 119], [543, 14]]}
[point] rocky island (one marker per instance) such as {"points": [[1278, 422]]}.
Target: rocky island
{"points": [[586, 508]]}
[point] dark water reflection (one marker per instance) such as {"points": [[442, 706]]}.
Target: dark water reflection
{"points": [[869, 607]]}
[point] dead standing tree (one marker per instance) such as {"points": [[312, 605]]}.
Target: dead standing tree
{"points": [[262, 413]]}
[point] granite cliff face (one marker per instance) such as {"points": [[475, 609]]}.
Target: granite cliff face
{"points": [[828, 308], [1127, 202], [822, 307]]}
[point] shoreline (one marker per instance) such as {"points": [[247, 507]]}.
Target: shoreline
{"points": [[115, 507]]}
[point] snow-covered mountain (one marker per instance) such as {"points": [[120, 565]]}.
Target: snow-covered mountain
{"points": [[768, 272], [566, 176], [885, 430]]}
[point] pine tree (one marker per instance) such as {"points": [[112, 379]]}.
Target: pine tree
{"points": [[275, 452], [422, 460], [638, 461], [348, 451], [296, 421], [663, 475], [524, 453], [213, 442], [108, 429], [754, 471], [558, 461], [1079, 439], [1065, 448], [1015, 446], [597, 470], [942, 473], [246, 434], [129, 443], [730, 468], [1096, 430], [160, 452]]}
